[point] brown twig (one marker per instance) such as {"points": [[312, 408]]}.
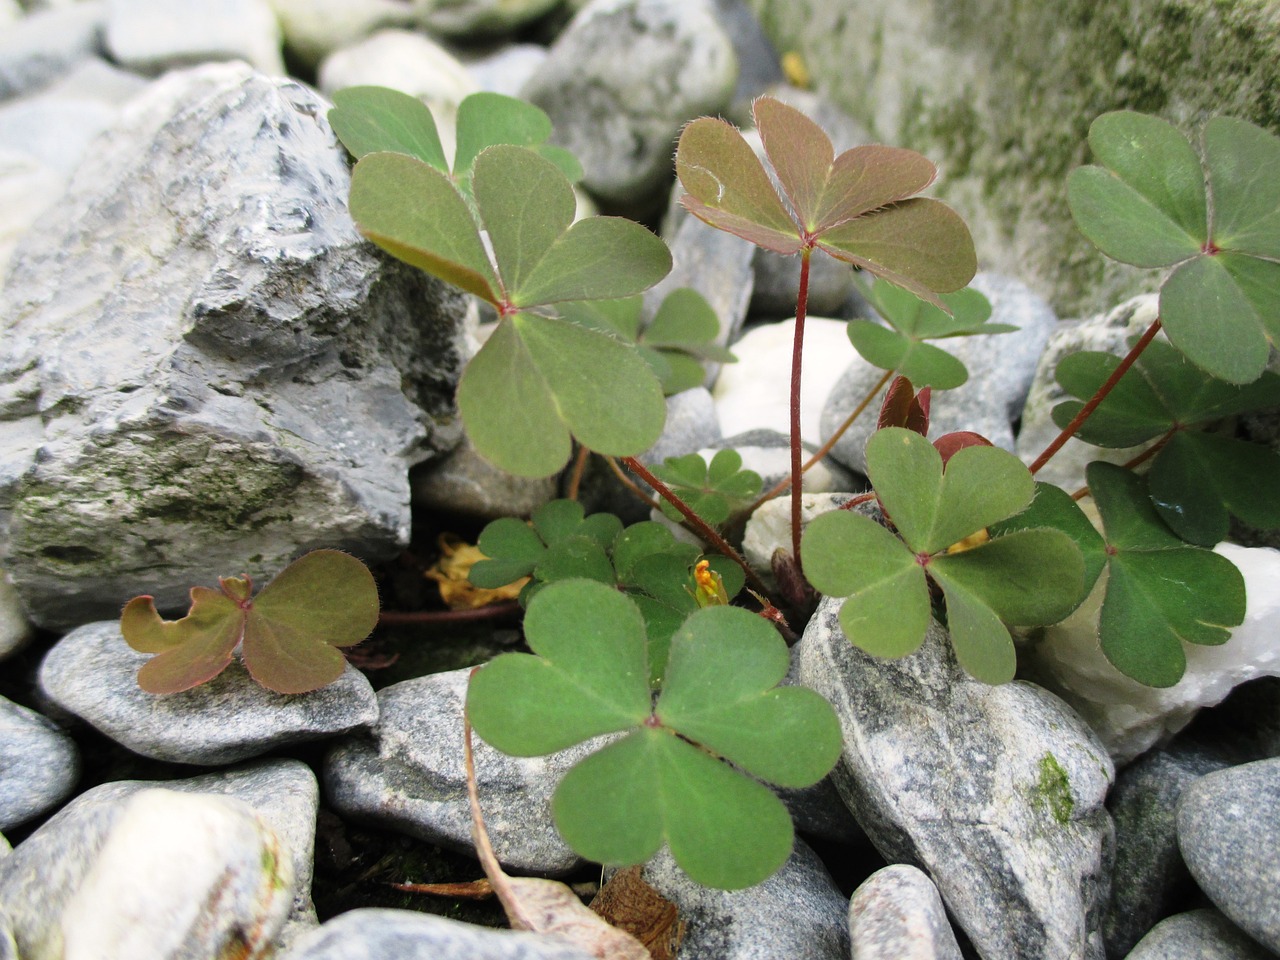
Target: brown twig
{"points": [[631, 484], [575, 478]]}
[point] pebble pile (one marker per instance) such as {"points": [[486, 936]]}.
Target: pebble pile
{"points": [[205, 370]]}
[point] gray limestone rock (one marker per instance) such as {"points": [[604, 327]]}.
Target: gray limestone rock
{"points": [[896, 914], [798, 913], [464, 482], [376, 934], [152, 36], [506, 69], [207, 370], [758, 61], [408, 775], [15, 630], [996, 791], [1198, 935], [1001, 367], [315, 28], [45, 871], [45, 44], [1106, 332], [777, 286], [620, 81], [1150, 878], [1229, 835], [92, 673], [39, 764], [476, 19]]}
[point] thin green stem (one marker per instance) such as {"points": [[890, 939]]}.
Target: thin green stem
{"points": [[631, 484], [797, 451], [700, 526], [1086, 411]]}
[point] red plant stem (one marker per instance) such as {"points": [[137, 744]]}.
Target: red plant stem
{"points": [[492, 611], [575, 478], [797, 353], [1086, 411], [784, 484], [700, 526]]}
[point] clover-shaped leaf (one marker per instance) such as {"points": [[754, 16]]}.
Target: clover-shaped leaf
{"points": [[545, 368], [369, 119], [1160, 591], [900, 345], [1198, 480], [662, 781], [711, 490], [859, 207], [1213, 217], [675, 343], [288, 634], [1025, 577]]}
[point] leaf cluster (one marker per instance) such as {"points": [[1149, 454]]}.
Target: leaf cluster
{"points": [[288, 635], [643, 560], [500, 225], [1209, 213], [1026, 577], [681, 768], [714, 491], [859, 207], [1198, 479]]}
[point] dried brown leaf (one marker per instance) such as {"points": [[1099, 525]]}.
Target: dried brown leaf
{"points": [[631, 904], [451, 571]]}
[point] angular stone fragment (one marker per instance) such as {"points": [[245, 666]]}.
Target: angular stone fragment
{"points": [[996, 791], [206, 369]]}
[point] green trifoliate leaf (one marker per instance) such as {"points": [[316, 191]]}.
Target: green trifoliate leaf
{"points": [[661, 782], [1197, 480], [376, 119], [933, 510], [1160, 592], [1148, 205], [1025, 577], [712, 490], [785, 735], [289, 633], [1054, 509], [859, 206], [900, 346], [488, 119], [588, 674]]}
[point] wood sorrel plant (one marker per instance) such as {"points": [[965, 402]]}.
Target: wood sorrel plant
{"points": [[629, 630]]}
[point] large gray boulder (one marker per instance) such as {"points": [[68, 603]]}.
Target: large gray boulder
{"points": [[206, 370], [997, 792]]}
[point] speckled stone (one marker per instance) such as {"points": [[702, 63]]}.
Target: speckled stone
{"points": [[1229, 834], [896, 914], [39, 764], [1198, 935]]}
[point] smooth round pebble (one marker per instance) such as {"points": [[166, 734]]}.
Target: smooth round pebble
{"points": [[38, 764], [1197, 935]]}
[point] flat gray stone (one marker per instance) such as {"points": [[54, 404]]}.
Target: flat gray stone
{"points": [[798, 913], [42, 874], [477, 19], [691, 426], [620, 81], [92, 673], [45, 44], [152, 36], [1229, 834], [1150, 879], [407, 775], [462, 481], [375, 934], [1001, 368], [207, 370], [507, 69], [314, 28], [896, 914], [996, 791], [39, 764], [1198, 935]]}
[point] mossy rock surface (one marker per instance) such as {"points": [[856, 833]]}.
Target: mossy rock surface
{"points": [[1001, 94]]}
